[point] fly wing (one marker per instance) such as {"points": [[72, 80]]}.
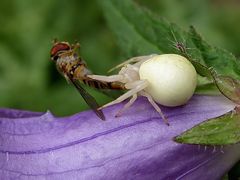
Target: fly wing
{"points": [[114, 94], [88, 98]]}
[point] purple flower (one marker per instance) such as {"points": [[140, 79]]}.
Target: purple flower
{"points": [[137, 145]]}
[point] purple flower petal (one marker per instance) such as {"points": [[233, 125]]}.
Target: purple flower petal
{"points": [[137, 145]]}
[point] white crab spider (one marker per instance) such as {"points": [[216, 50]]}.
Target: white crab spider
{"points": [[167, 79]]}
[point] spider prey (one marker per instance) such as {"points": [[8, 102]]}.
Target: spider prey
{"points": [[70, 64]]}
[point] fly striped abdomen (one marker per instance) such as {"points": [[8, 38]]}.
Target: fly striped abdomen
{"points": [[103, 85], [79, 72]]}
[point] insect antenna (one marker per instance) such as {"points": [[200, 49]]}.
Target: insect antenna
{"points": [[55, 40]]}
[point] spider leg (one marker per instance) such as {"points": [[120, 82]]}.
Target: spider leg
{"points": [[156, 107], [127, 105], [140, 86], [174, 37], [132, 60], [112, 78]]}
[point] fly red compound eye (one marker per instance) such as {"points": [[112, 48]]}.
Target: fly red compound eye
{"points": [[57, 48]]}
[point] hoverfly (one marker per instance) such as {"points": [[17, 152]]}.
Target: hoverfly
{"points": [[74, 69]]}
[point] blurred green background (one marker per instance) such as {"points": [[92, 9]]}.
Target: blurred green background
{"points": [[29, 80]]}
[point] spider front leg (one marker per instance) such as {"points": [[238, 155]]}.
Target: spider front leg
{"points": [[112, 78], [137, 86]]}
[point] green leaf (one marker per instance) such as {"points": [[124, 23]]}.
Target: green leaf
{"points": [[222, 61], [136, 30], [139, 32], [221, 130], [228, 86]]}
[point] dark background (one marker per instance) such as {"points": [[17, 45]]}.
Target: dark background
{"points": [[29, 80]]}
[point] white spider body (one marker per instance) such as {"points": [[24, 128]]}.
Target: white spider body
{"points": [[172, 79], [168, 79]]}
